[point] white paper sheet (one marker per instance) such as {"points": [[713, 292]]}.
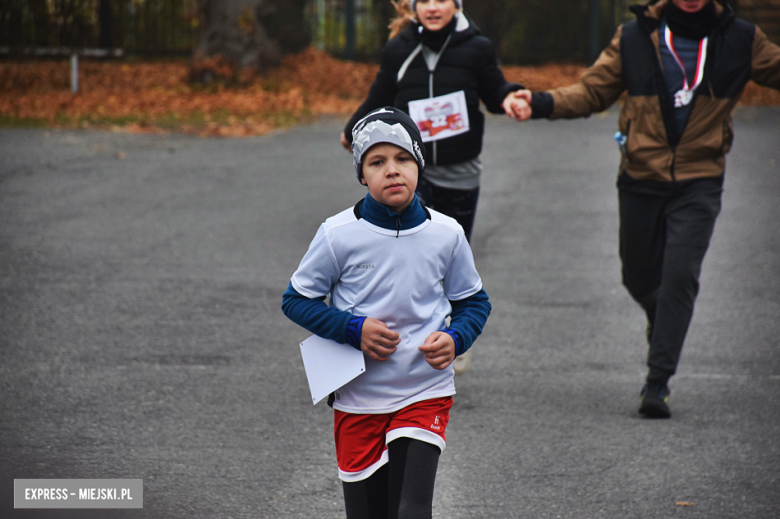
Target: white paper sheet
{"points": [[440, 117], [329, 365]]}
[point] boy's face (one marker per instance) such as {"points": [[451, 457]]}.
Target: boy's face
{"points": [[390, 173]]}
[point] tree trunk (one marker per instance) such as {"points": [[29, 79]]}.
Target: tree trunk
{"points": [[248, 34], [384, 13], [106, 22]]}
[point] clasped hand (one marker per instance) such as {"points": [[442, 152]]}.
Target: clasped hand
{"points": [[517, 105], [379, 342]]}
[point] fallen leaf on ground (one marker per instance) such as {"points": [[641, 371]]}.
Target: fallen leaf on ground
{"points": [[157, 97]]}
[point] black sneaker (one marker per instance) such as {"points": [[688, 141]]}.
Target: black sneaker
{"points": [[655, 401]]}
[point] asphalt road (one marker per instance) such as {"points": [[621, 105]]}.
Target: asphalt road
{"points": [[141, 335]]}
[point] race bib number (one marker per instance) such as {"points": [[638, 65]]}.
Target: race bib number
{"points": [[440, 117]]}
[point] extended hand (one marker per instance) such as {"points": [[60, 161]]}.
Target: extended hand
{"points": [[439, 350], [377, 340], [517, 105], [343, 140]]}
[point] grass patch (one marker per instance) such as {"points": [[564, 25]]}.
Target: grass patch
{"points": [[7, 121]]}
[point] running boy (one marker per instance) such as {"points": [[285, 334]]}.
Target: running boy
{"points": [[394, 272]]}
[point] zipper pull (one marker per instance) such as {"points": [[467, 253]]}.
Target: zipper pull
{"points": [[397, 226]]}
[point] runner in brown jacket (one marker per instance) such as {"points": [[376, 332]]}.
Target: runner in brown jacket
{"points": [[684, 65]]}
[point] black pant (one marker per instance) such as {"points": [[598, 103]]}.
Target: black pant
{"points": [[400, 489], [663, 239], [460, 204]]}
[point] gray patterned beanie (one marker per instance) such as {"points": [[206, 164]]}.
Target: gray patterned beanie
{"points": [[391, 126], [458, 3]]}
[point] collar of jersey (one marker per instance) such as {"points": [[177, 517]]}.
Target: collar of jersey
{"points": [[385, 218]]}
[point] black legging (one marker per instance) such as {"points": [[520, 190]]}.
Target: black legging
{"points": [[401, 489], [460, 204]]}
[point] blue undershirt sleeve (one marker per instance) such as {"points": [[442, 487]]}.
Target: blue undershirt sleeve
{"points": [[467, 320], [323, 320]]}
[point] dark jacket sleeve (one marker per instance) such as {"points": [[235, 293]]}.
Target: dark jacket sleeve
{"points": [[382, 92], [467, 320], [492, 86], [542, 105]]}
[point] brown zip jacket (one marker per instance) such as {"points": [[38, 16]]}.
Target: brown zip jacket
{"points": [[737, 52]]}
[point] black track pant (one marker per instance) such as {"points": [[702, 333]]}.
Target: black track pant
{"points": [[663, 239], [460, 204], [401, 489]]}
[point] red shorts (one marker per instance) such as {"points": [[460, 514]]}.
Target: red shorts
{"points": [[361, 439]]}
